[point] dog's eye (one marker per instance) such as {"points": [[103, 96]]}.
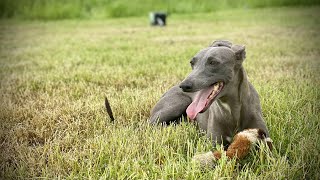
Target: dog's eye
{"points": [[212, 61]]}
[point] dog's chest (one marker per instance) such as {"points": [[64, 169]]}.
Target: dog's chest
{"points": [[218, 114]]}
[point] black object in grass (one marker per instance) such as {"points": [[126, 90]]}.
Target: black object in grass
{"points": [[108, 108], [158, 18]]}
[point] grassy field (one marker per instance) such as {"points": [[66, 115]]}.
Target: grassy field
{"points": [[55, 75]]}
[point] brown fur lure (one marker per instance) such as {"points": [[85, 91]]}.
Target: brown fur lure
{"points": [[242, 143], [238, 149]]}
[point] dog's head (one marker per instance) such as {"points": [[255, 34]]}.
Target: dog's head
{"points": [[213, 68]]}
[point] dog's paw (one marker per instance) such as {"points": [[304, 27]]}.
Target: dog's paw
{"points": [[250, 135], [269, 142], [205, 159], [255, 135]]}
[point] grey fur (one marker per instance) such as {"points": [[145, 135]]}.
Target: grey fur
{"points": [[237, 106]]}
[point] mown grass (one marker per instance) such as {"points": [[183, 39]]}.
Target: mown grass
{"points": [[97, 9], [55, 75]]}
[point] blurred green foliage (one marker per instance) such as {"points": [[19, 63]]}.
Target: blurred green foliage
{"points": [[71, 9]]}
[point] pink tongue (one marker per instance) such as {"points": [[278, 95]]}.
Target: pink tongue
{"points": [[199, 102]]}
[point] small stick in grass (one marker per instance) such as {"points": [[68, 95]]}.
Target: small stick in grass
{"points": [[108, 108]]}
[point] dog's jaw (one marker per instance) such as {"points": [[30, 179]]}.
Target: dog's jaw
{"points": [[203, 99], [217, 88]]}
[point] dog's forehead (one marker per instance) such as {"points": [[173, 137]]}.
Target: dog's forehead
{"points": [[215, 52]]}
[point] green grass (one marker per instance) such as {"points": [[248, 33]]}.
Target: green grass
{"points": [[54, 77], [97, 9]]}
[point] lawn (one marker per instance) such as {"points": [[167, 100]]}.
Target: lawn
{"points": [[54, 76]]}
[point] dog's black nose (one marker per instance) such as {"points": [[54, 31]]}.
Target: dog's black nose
{"points": [[186, 86]]}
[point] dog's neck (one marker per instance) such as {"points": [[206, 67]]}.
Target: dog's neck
{"points": [[236, 89], [236, 96]]}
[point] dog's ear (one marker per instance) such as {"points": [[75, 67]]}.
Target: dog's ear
{"points": [[218, 43], [240, 51]]}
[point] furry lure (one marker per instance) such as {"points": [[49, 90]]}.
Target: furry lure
{"points": [[238, 149]]}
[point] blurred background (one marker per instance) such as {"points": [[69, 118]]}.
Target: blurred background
{"points": [[96, 9]]}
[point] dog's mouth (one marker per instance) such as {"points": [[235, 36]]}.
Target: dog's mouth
{"points": [[203, 99]]}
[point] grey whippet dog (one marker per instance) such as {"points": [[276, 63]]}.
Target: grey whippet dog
{"points": [[217, 94]]}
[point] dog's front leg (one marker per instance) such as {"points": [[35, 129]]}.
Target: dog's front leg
{"points": [[171, 106]]}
